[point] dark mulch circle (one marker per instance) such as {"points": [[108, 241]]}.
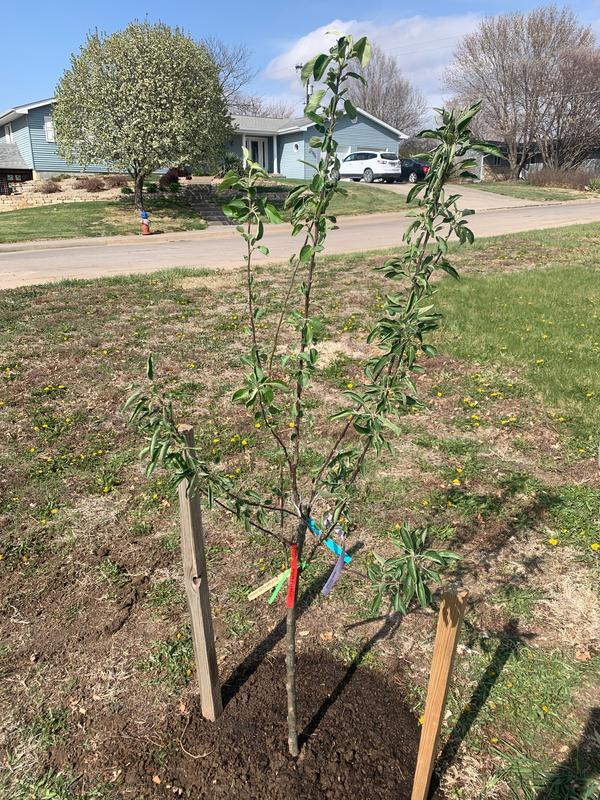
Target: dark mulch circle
{"points": [[359, 741]]}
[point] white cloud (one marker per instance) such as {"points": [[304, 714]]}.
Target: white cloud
{"points": [[423, 47]]}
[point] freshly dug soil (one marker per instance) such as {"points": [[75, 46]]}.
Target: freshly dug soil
{"points": [[359, 741]]}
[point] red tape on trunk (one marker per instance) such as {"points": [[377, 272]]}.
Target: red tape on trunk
{"points": [[291, 595]]}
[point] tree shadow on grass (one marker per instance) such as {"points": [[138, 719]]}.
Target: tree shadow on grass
{"points": [[511, 639], [250, 664], [572, 778]]}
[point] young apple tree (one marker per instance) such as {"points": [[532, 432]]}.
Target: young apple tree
{"points": [[281, 366]]}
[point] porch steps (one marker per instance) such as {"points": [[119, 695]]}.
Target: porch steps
{"points": [[202, 200]]}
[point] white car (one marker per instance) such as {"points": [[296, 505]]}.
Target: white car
{"points": [[370, 167]]}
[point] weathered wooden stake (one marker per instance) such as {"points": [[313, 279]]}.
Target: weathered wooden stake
{"points": [[196, 588], [452, 610]]}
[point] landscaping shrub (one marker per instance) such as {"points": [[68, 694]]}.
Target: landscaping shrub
{"points": [[567, 179], [151, 188], [59, 178], [115, 181], [126, 190], [230, 162], [595, 184], [48, 187], [90, 183], [167, 180]]}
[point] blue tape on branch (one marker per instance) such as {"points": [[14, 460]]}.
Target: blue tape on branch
{"points": [[333, 546]]}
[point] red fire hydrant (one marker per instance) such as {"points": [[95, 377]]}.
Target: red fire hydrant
{"points": [[145, 223]]}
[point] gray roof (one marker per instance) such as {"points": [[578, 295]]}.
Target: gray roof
{"points": [[247, 124], [19, 111], [11, 158]]}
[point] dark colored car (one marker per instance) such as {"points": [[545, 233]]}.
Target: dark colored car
{"points": [[413, 171]]}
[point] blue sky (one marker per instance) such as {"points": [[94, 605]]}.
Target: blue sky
{"points": [[420, 34]]}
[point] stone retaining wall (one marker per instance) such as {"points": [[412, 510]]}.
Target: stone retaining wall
{"points": [[28, 196]]}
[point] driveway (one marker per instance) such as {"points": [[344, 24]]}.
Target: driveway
{"points": [[221, 248]]}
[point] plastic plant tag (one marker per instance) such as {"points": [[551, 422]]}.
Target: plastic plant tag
{"points": [[277, 589], [336, 571], [333, 546], [270, 584]]}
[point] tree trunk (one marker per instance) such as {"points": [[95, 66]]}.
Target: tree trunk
{"points": [[138, 197], [290, 681], [290, 650]]}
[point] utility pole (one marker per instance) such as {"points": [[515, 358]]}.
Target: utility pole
{"points": [[309, 86]]}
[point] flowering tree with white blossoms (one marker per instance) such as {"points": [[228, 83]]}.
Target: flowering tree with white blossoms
{"points": [[143, 98]]}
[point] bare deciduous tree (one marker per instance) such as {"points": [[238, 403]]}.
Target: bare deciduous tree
{"points": [[256, 106], [513, 63], [234, 66], [236, 72], [388, 95], [570, 125]]}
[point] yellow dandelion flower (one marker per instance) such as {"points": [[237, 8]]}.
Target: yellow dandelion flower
{"points": [[349, 385], [291, 424], [257, 425], [244, 442], [545, 709], [539, 361], [456, 482], [553, 542], [421, 719], [595, 546], [440, 394]]}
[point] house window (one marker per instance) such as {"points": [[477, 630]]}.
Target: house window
{"points": [[9, 133], [49, 129]]}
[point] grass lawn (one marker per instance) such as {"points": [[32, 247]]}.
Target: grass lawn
{"points": [[360, 198], [524, 191], [500, 466], [95, 218]]}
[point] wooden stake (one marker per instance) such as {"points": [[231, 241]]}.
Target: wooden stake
{"points": [[196, 588], [452, 610]]}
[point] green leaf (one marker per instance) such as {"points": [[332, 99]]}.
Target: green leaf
{"points": [[314, 101], [150, 367], [362, 48], [273, 214], [320, 65], [350, 109], [307, 69], [306, 253]]}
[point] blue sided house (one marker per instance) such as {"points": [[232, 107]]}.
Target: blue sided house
{"points": [[28, 143], [28, 131], [281, 146]]}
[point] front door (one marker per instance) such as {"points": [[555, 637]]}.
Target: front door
{"points": [[259, 152]]}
